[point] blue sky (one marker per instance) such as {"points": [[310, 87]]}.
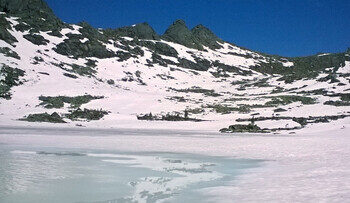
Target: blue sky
{"points": [[283, 27]]}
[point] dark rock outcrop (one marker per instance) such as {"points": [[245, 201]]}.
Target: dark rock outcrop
{"points": [[35, 13], [206, 37], [179, 33], [140, 31]]}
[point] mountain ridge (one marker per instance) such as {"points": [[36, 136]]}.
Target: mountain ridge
{"points": [[25, 8], [75, 74]]}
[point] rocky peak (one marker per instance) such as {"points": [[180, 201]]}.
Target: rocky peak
{"points": [[206, 37], [200, 35], [201, 29], [145, 31], [178, 32], [141, 31], [35, 13], [180, 23], [21, 6]]}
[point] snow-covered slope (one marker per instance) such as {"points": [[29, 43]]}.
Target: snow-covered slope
{"points": [[190, 77]]}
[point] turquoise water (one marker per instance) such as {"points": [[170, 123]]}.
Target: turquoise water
{"points": [[31, 173]]}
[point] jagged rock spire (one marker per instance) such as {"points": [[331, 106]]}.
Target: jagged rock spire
{"points": [[179, 33], [206, 37], [141, 31]]}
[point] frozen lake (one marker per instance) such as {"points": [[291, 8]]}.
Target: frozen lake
{"points": [[40, 172], [39, 164]]}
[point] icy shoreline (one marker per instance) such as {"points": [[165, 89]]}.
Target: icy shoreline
{"points": [[210, 126]]}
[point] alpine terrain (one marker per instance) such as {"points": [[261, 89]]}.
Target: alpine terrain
{"points": [[132, 77]]}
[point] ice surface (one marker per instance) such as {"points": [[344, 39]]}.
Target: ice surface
{"points": [[54, 174], [310, 167]]}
